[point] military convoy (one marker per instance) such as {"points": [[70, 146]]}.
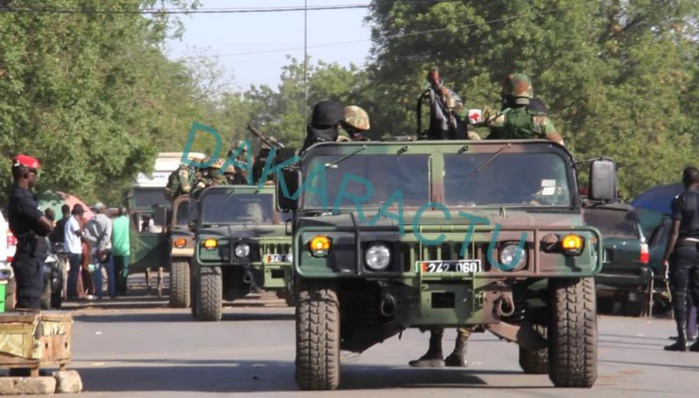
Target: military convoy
{"points": [[490, 234]]}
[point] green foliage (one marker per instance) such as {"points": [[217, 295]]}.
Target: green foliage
{"points": [[620, 78]]}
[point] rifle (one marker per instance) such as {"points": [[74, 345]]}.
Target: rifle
{"points": [[271, 142]]}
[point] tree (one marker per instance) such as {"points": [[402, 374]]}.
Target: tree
{"points": [[617, 76], [87, 93]]}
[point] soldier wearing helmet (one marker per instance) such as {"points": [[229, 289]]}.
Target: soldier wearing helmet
{"points": [[519, 119], [355, 123], [210, 176], [180, 181]]}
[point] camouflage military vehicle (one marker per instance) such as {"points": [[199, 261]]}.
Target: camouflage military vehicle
{"points": [[241, 246], [490, 234], [181, 250]]}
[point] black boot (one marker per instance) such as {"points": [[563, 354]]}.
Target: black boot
{"points": [[458, 357], [433, 358], [681, 343]]}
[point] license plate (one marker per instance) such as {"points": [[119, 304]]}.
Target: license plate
{"points": [[279, 258], [461, 266]]}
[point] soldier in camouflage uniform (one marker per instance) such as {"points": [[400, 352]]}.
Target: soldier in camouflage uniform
{"points": [[211, 176], [520, 119], [355, 123], [181, 180], [449, 117], [241, 173]]}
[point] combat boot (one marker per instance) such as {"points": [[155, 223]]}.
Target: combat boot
{"points": [[433, 358], [458, 357], [681, 343]]}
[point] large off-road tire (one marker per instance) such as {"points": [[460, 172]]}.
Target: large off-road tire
{"points": [[573, 333], [317, 338], [57, 299], [179, 284], [193, 291], [535, 361], [210, 298]]}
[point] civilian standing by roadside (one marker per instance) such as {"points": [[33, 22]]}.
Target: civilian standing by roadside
{"points": [[74, 248], [58, 234], [121, 249], [99, 235]]}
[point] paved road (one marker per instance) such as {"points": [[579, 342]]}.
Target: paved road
{"points": [[143, 349]]}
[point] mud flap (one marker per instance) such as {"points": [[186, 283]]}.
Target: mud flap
{"points": [[523, 334]]}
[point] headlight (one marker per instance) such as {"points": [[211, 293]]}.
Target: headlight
{"points": [[377, 257], [509, 254], [242, 250]]}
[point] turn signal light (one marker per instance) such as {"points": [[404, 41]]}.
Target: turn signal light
{"points": [[319, 245], [180, 243], [210, 244], [572, 244]]}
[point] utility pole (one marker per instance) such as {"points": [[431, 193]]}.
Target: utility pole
{"points": [[305, 65]]}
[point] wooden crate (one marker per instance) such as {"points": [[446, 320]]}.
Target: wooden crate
{"points": [[35, 339]]}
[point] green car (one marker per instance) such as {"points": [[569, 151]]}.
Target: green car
{"points": [[625, 276], [241, 246], [444, 234]]}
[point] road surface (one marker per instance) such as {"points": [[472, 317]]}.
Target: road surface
{"points": [[141, 348]]}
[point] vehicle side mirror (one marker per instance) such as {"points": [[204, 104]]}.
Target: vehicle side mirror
{"points": [[603, 180], [286, 187], [192, 227]]}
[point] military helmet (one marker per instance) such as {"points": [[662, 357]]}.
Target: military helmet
{"points": [[517, 85], [356, 118], [218, 163]]}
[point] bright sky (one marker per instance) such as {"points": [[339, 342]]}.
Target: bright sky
{"points": [[272, 36]]}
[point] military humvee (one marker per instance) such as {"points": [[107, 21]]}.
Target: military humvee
{"points": [[181, 250], [241, 246], [389, 236]]}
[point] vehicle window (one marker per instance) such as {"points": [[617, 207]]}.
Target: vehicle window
{"points": [[521, 179], [183, 213], [613, 223], [147, 198], [227, 207], [374, 178]]}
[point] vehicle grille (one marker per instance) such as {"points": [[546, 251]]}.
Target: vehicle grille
{"points": [[411, 252], [276, 248]]}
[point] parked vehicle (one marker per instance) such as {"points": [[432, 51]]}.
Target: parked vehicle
{"points": [[625, 274], [54, 278]]}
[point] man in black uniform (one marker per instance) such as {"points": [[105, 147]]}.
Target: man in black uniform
{"points": [[683, 246], [30, 227]]}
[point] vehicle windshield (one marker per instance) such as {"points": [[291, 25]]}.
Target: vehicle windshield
{"points": [[505, 179], [373, 179], [183, 213], [613, 223], [144, 198], [228, 207]]}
